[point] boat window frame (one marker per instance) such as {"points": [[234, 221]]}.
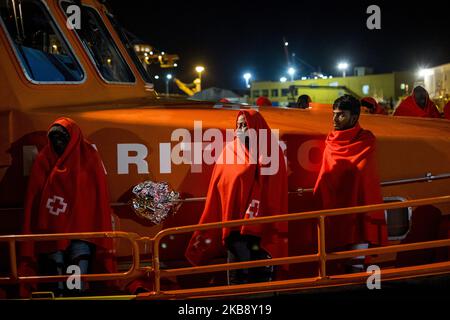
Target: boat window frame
{"points": [[140, 68], [91, 58], [63, 38], [410, 212]]}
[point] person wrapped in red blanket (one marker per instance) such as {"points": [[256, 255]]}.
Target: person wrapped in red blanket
{"points": [[447, 111], [348, 177], [249, 180], [67, 193], [373, 106], [418, 104]]}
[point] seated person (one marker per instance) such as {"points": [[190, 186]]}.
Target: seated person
{"points": [[373, 106], [263, 102], [418, 104], [67, 193], [447, 111], [303, 101], [349, 177], [244, 190]]}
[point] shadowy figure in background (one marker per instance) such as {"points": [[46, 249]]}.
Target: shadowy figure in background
{"points": [[303, 101], [418, 104], [447, 111], [373, 106]]}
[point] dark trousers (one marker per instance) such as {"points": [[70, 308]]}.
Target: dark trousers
{"points": [[242, 248]]}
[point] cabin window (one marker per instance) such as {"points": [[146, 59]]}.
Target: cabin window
{"points": [[101, 47], [398, 220], [255, 93], [265, 93], [284, 92], [274, 92], [43, 53], [125, 38], [365, 89]]}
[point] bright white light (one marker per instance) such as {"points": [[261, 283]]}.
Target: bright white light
{"points": [[247, 76], [343, 66], [315, 78], [424, 72], [151, 52], [304, 78], [162, 53], [156, 77], [325, 77], [283, 79], [291, 71], [169, 76], [331, 77], [286, 44], [175, 65], [199, 69]]}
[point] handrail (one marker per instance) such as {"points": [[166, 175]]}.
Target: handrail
{"points": [[322, 255], [429, 177], [15, 278]]}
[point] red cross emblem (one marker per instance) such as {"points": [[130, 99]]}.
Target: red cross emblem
{"points": [[253, 209], [56, 205]]}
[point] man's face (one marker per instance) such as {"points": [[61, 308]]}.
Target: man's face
{"points": [[343, 119], [59, 139], [421, 98]]}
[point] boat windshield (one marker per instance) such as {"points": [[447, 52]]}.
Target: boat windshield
{"points": [[101, 47], [38, 43], [127, 43]]}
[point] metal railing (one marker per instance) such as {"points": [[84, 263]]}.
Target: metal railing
{"points": [[322, 256], [14, 277]]}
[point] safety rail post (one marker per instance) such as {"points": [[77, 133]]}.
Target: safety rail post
{"points": [[322, 247], [156, 269], [13, 259]]}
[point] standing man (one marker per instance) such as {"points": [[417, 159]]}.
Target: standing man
{"points": [[263, 102], [418, 104], [67, 193], [349, 177]]}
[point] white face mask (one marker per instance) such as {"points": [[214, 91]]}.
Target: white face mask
{"points": [[241, 135]]}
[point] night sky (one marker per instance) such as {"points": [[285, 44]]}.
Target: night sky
{"points": [[232, 37]]}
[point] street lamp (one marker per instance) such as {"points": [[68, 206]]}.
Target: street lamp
{"points": [[199, 70], [423, 72], [291, 72], [343, 66], [168, 78], [247, 77]]}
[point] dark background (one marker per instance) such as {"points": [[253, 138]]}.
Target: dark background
{"points": [[233, 37]]}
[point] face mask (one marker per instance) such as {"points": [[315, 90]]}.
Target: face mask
{"points": [[241, 135]]}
